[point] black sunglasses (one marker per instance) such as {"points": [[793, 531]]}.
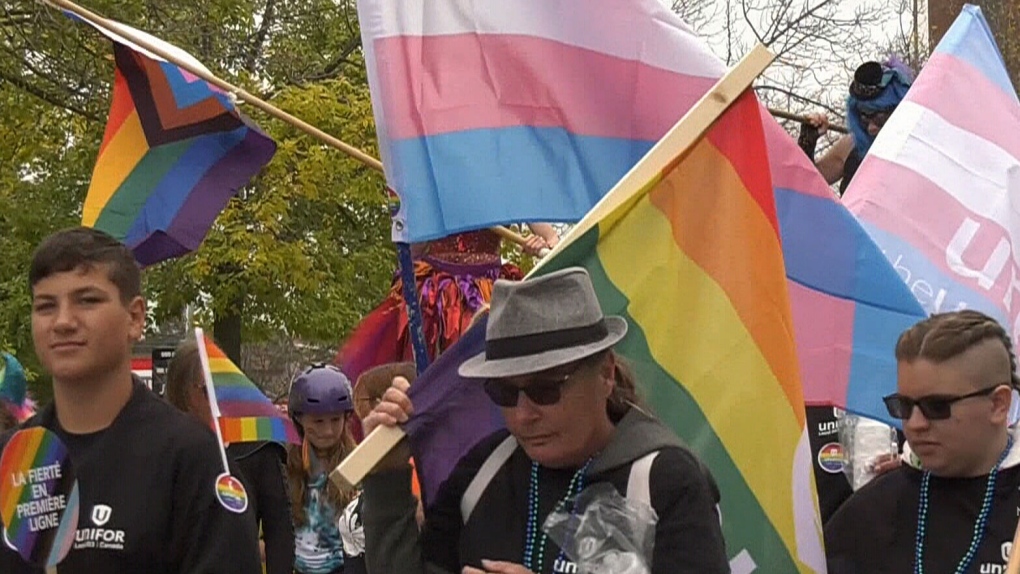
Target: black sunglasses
{"points": [[542, 391], [934, 407], [878, 118]]}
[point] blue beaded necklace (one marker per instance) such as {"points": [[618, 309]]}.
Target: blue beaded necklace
{"points": [[979, 525], [533, 561]]}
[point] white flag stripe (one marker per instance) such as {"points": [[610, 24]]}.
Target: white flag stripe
{"points": [[969, 168], [623, 31]]}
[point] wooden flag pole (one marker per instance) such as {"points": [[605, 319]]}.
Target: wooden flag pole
{"points": [[684, 135], [802, 119], [100, 22]]}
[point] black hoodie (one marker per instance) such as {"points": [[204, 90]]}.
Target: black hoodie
{"points": [[875, 531], [688, 538], [147, 498]]}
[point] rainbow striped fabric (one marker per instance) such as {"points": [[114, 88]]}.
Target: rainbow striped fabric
{"points": [[711, 330], [175, 151], [938, 190], [244, 413]]}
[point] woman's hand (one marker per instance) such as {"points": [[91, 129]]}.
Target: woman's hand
{"points": [[394, 408]]}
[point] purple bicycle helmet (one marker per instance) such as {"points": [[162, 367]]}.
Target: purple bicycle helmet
{"points": [[319, 390]]}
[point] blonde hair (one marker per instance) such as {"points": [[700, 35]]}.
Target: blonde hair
{"points": [[298, 473]]}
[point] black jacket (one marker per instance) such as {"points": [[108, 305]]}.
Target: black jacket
{"points": [[688, 538], [261, 467], [832, 482], [874, 531], [154, 469]]}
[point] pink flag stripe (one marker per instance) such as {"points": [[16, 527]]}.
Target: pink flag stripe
{"points": [[444, 84], [928, 219], [823, 333], [951, 94]]}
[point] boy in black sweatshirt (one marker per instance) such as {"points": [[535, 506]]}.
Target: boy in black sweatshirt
{"points": [[146, 472]]}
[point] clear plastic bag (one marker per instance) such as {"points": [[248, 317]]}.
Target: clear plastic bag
{"points": [[864, 441], [605, 533]]}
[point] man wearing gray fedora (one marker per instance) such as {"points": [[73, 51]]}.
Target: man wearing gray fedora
{"points": [[572, 420]]}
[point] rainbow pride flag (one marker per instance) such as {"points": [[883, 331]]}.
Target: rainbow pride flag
{"points": [[243, 412], [175, 151], [692, 258]]}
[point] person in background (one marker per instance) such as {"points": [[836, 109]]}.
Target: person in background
{"points": [[368, 391], [320, 404], [877, 89], [14, 397], [259, 464], [453, 279]]}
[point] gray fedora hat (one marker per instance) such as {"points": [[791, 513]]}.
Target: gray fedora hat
{"points": [[541, 323]]}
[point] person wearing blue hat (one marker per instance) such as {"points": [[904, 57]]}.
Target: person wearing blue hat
{"points": [[875, 92]]}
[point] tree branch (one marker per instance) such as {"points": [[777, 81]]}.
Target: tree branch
{"points": [[268, 19], [48, 98]]}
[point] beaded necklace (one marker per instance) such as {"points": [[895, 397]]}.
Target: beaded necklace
{"points": [[979, 525], [535, 562]]}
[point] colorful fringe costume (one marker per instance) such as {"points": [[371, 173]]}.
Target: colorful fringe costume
{"points": [[454, 278]]}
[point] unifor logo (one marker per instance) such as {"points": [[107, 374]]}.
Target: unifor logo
{"points": [[101, 514]]}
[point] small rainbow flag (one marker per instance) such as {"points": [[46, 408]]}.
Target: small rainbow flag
{"points": [[243, 412], [175, 151]]}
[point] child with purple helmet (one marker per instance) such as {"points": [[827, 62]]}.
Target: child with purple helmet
{"points": [[320, 404]]}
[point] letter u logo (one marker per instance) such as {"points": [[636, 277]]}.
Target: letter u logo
{"points": [[101, 514]]}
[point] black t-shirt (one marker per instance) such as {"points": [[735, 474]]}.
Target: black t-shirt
{"points": [[147, 488], [688, 537], [874, 532]]}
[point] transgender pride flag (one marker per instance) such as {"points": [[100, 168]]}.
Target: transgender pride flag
{"points": [[939, 189], [496, 111], [491, 111]]}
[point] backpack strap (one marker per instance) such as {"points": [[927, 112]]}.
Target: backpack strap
{"points": [[484, 476], [638, 488]]}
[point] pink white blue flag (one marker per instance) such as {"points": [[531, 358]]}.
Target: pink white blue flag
{"points": [[940, 189], [491, 111]]}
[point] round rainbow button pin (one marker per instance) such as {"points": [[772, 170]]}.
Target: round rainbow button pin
{"points": [[231, 493], [38, 496]]}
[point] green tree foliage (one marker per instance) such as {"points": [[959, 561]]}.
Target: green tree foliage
{"points": [[301, 254]]}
